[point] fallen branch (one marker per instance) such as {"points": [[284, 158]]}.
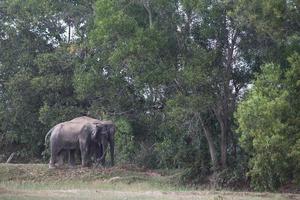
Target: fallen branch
{"points": [[10, 157]]}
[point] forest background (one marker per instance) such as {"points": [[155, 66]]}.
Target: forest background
{"points": [[209, 87]]}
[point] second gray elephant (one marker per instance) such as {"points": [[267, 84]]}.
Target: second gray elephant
{"points": [[103, 139]]}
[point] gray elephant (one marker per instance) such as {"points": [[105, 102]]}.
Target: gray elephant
{"points": [[70, 136], [111, 129], [103, 139]]}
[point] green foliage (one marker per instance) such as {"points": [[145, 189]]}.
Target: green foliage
{"points": [[293, 86], [86, 82], [124, 141], [36, 91], [267, 117], [275, 23], [268, 135]]}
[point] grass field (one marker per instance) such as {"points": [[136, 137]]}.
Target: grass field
{"points": [[36, 181]]}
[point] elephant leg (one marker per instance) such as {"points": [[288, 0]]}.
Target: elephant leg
{"points": [[60, 158], [53, 157], [72, 157], [84, 154], [94, 152], [99, 151], [77, 154], [52, 161], [104, 150]]}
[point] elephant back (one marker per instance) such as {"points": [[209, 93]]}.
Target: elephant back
{"points": [[68, 129], [85, 119]]}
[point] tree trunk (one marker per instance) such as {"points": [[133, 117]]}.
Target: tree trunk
{"points": [[223, 109], [234, 144], [224, 134], [69, 35], [211, 145], [223, 112], [146, 4], [222, 116]]}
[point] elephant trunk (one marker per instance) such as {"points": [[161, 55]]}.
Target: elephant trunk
{"points": [[112, 149]]}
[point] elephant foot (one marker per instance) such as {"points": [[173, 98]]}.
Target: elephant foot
{"points": [[84, 165], [51, 166], [72, 166]]}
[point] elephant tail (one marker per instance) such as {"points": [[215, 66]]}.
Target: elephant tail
{"points": [[47, 135]]}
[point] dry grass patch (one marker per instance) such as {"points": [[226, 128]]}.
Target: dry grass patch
{"points": [[36, 181]]}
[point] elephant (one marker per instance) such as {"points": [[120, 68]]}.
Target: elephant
{"points": [[103, 139], [70, 136], [111, 130]]}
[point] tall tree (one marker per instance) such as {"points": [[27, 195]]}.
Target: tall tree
{"points": [[213, 71], [28, 26], [37, 69], [267, 117]]}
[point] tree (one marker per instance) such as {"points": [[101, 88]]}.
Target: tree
{"points": [[133, 45], [268, 135], [264, 116], [23, 37], [131, 56], [35, 72], [213, 71], [188, 51]]}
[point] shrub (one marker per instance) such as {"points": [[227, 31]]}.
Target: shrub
{"points": [[124, 141]]}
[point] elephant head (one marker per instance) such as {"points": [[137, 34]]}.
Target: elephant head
{"points": [[108, 138], [103, 135], [99, 132]]}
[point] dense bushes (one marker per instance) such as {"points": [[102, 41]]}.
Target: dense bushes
{"points": [[268, 121], [124, 141]]}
